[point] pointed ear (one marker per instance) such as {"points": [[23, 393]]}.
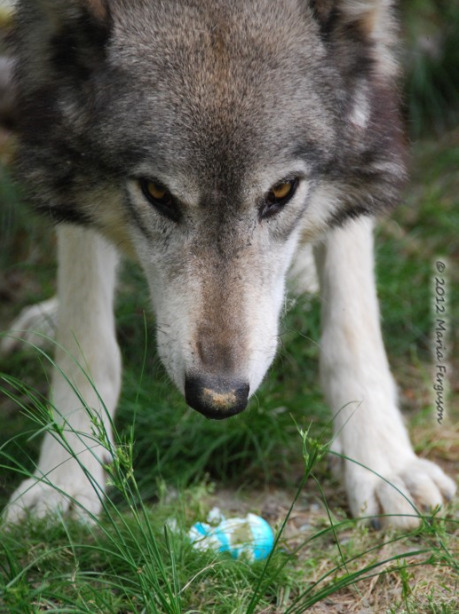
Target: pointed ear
{"points": [[376, 21], [55, 10], [64, 38], [373, 16], [367, 13], [98, 8], [370, 21]]}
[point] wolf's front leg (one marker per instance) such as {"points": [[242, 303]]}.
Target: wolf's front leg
{"points": [[359, 388], [85, 385]]}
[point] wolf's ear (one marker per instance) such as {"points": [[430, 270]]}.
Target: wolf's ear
{"points": [[64, 37], [374, 18], [366, 13], [98, 8], [56, 10], [368, 21]]}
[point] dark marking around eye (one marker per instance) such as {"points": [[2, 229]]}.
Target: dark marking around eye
{"points": [[161, 199], [277, 197]]}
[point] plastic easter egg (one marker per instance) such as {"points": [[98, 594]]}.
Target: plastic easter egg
{"points": [[250, 537]]}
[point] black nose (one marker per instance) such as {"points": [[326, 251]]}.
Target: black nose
{"points": [[216, 397]]}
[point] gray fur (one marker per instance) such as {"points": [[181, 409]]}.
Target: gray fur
{"points": [[209, 89], [218, 101]]}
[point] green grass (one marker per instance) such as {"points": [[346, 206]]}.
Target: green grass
{"points": [[130, 560]]}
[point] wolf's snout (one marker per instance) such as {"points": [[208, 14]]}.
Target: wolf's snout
{"points": [[216, 397]]}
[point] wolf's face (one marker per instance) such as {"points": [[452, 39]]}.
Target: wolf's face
{"points": [[220, 194], [208, 138]]}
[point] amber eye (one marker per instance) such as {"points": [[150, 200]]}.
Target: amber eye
{"points": [[156, 191], [160, 197], [281, 190], [278, 196]]}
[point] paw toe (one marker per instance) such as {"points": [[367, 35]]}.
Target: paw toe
{"points": [[44, 500], [396, 504], [398, 499], [421, 487], [428, 484]]}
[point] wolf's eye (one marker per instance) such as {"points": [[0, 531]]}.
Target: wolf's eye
{"points": [[281, 190], [160, 197], [156, 191], [278, 196]]}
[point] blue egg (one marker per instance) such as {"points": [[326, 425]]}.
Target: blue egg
{"points": [[250, 537]]}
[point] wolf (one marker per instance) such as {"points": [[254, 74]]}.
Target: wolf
{"points": [[215, 141]]}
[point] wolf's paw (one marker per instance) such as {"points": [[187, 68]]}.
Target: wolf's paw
{"points": [[415, 484], [34, 326], [77, 498]]}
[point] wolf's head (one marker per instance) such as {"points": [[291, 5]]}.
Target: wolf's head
{"points": [[209, 137]]}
